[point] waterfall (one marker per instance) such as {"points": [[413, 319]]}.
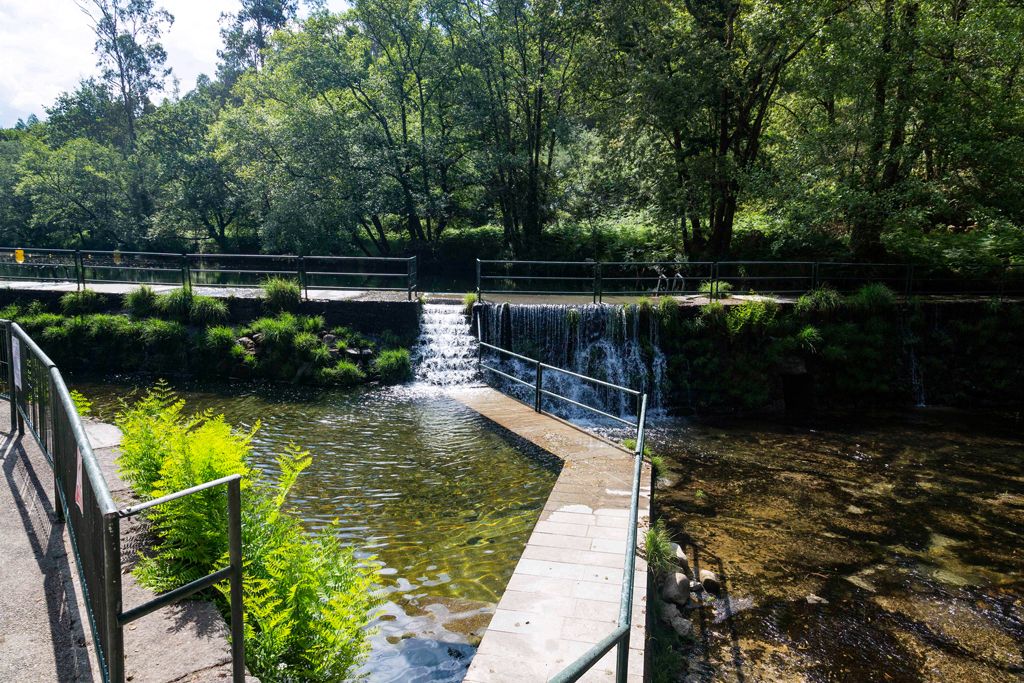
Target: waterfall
{"points": [[446, 351], [614, 343]]}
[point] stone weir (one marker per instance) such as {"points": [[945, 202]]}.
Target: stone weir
{"points": [[564, 595]]}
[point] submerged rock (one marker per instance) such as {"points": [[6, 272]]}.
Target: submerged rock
{"points": [[710, 581]]}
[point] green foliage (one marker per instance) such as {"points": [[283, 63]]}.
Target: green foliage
{"points": [[715, 289], [393, 366], [872, 298], [82, 302], [823, 302], [281, 294], [344, 373], [468, 301], [175, 304], [658, 549], [82, 404], [206, 310], [141, 302], [307, 600]]}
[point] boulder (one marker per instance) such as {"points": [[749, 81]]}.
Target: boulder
{"points": [[330, 340], [248, 344], [670, 615], [676, 589], [681, 561], [710, 581]]}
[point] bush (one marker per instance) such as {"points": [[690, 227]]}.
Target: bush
{"points": [[175, 305], [141, 302], [206, 310], [219, 340], [345, 373], [82, 303], [716, 289], [307, 600], [281, 294], [40, 321], [393, 366]]}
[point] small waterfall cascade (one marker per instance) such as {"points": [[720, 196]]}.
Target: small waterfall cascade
{"points": [[614, 343], [446, 351]]}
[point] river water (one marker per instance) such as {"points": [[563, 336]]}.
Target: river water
{"points": [[441, 496], [890, 548]]}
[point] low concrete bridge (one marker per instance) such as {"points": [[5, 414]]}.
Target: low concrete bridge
{"points": [[564, 595]]}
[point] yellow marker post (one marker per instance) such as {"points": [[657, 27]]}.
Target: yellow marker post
{"points": [[19, 255]]}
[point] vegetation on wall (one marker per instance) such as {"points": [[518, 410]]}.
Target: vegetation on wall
{"points": [[307, 600]]}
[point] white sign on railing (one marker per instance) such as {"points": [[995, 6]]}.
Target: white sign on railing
{"points": [[16, 360], [78, 482]]}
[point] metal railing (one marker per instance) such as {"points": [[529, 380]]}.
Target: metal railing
{"points": [[714, 279], [86, 266], [41, 403], [619, 637]]}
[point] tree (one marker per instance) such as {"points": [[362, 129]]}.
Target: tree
{"points": [[131, 58], [246, 33]]}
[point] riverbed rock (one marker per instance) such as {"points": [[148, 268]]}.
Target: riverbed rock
{"points": [[330, 340], [681, 561], [248, 344], [671, 615], [710, 581], [675, 588]]}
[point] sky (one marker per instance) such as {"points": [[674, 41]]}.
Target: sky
{"points": [[46, 47]]}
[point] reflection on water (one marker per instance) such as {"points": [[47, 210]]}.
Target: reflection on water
{"points": [[885, 550], [443, 499]]}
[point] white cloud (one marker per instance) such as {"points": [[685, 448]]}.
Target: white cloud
{"points": [[46, 47]]}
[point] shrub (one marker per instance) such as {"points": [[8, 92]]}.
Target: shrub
{"points": [[164, 337], [82, 303], [206, 310], [218, 341], [751, 317], [40, 321], [175, 305], [345, 373], [307, 600], [468, 301], [312, 323], [141, 302], [393, 366], [281, 294], [716, 289]]}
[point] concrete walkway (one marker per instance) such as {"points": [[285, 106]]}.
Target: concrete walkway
{"points": [[564, 594], [44, 630], [223, 292]]}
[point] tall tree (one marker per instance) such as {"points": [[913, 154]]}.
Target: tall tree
{"points": [[246, 33]]}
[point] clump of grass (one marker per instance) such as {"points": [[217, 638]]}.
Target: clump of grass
{"points": [[715, 289], [82, 303], [175, 304], [206, 310], [871, 298], [658, 467], [658, 549], [393, 366], [344, 373], [141, 302], [281, 294], [823, 301], [468, 301]]}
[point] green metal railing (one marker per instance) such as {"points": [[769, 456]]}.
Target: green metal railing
{"points": [[85, 266], [619, 637], [41, 403], [598, 279]]}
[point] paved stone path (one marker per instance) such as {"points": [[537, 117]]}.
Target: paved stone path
{"points": [[564, 594], [44, 630]]}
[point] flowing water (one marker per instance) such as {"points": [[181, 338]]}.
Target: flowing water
{"points": [[614, 343], [886, 549], [446, 352], [441, 496]]}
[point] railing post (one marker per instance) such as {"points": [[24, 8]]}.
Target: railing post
{"points": [[58, 507], [303, 282], [114, 655], [479, 292], [408, 277], [598, 293], [235, 555], [814, 276], [79, 270], [13, 390], [537, 389], [713, 285], [186, 278]]}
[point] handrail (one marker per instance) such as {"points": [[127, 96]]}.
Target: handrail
{"points": [[708, 277], [40, 400], [191, 268]]}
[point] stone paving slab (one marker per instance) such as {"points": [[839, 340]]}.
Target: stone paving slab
{"points": [[564, 594]]}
